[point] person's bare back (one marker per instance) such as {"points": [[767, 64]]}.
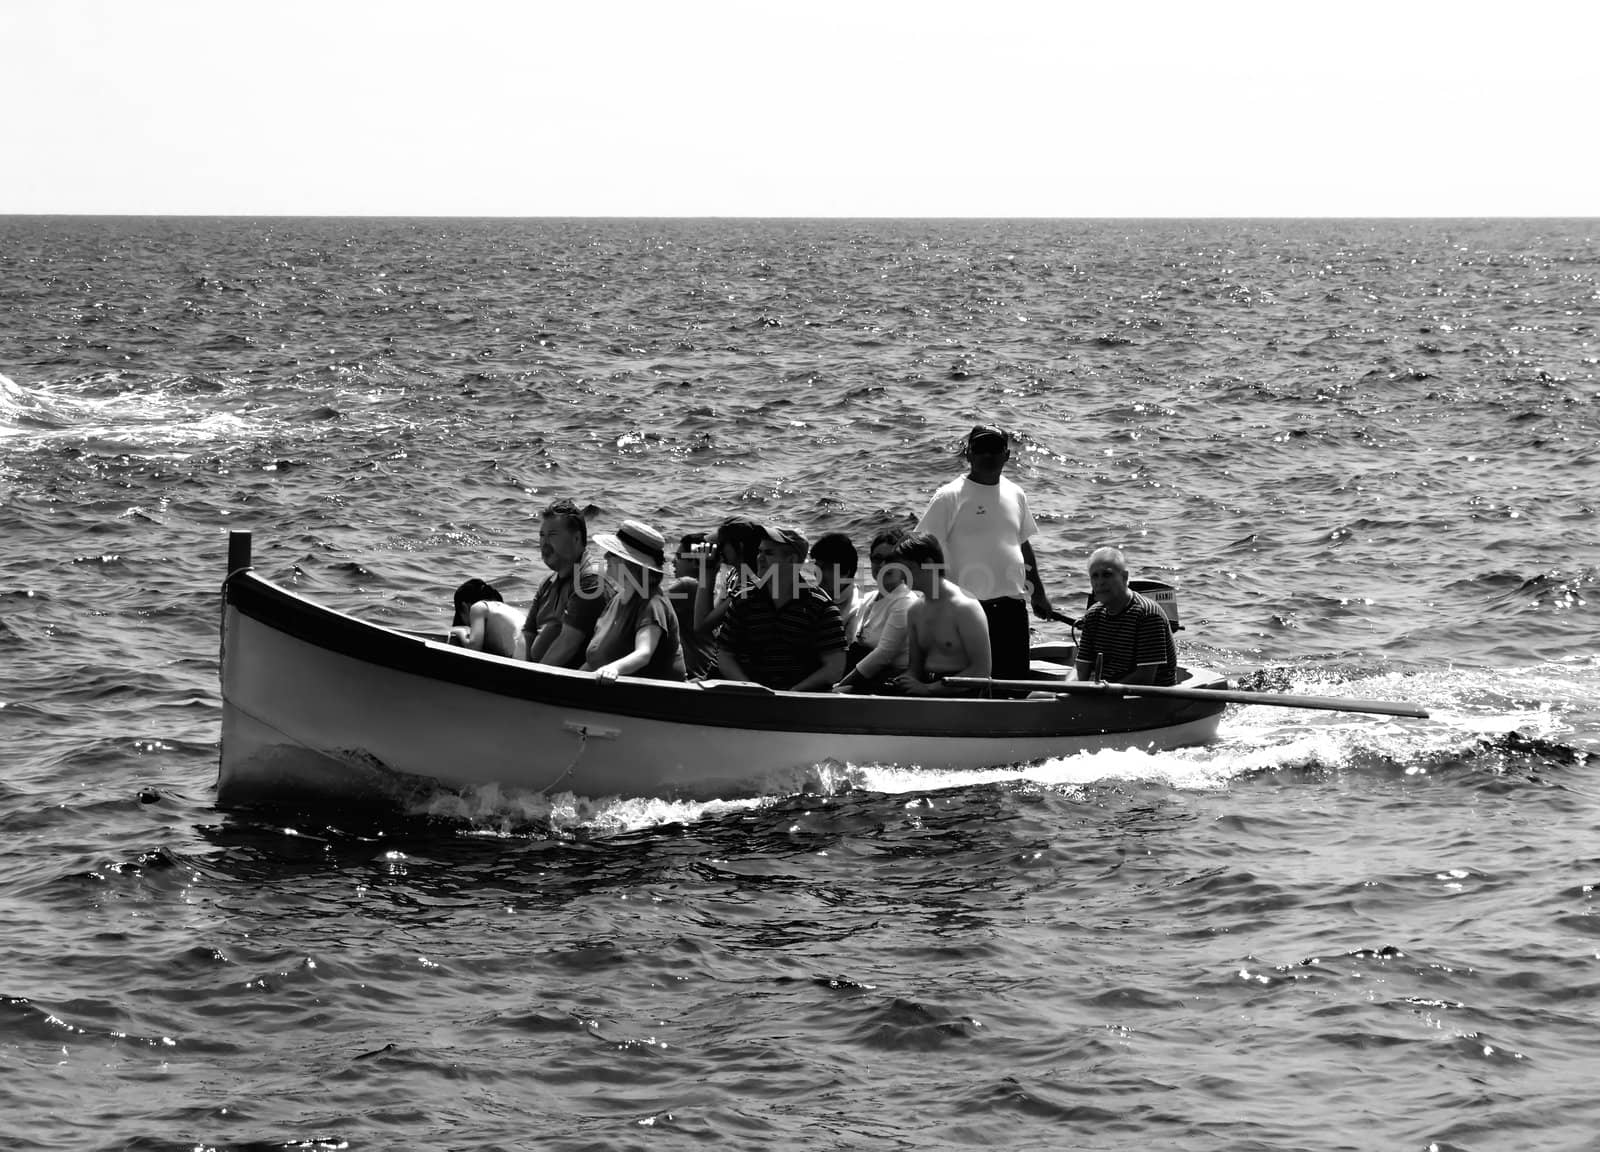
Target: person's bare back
{"points": [[496, 628], [484, 623]]}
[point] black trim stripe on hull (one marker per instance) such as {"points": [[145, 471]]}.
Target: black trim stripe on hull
{"points": [[731, 706]]}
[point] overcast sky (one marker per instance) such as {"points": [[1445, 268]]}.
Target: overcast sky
{"points": [[810, 108]]}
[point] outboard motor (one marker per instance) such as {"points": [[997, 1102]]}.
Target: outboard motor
{"points": [[1165, 596]]}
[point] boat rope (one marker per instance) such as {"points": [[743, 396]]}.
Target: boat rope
{"points": [[583, 742]]}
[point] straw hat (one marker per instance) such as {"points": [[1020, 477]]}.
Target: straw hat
{"points": [[637, 543]]}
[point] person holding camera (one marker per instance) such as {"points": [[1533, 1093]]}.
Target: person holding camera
{"points": [[691, 568], [730, 570]]}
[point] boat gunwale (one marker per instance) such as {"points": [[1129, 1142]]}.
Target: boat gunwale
{"points": [[717, 704]]}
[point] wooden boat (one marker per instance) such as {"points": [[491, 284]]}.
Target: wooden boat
{"points": [[318, 704]]}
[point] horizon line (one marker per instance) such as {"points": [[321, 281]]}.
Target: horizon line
{"points": [[752, 216]]}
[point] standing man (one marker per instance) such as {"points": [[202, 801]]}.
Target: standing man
{"points": [[1126, 638], [569, 602], [982, 522], [783, 633]]}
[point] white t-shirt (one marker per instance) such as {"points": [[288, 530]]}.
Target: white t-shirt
{"points": [[882, 624], [981, 528]]}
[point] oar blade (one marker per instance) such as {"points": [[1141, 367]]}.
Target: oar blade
{"points": [[1227, 695]]}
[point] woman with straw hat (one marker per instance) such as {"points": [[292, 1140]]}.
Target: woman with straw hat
{"points": [[638, 634]]}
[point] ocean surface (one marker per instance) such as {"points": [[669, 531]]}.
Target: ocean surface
{"points": [[1366, 452]]}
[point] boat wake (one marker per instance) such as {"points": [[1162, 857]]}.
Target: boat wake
{"points": [[1484, 718]]}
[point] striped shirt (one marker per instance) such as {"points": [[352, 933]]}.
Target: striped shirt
{"points": [[1137, 636], [780, 647]]}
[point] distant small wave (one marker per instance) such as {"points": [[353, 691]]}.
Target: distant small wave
{"points": [[141, 417]]}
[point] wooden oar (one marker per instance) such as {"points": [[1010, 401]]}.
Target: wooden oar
{"points": [[1231, 696]]}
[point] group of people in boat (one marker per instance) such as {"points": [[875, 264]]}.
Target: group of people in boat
{"points": [[948, 606]]}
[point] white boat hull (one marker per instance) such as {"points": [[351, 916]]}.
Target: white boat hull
{"points": [[320, 704]]}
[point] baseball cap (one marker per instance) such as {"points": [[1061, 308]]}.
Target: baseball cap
{"points": [[987, 438], [792, 537]]}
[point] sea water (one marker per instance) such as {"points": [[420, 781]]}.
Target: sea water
{"points": [[1365, 452]]}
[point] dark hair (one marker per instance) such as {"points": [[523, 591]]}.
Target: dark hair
{"points": [[918, 550], [469, 594], [889, 536], [835, 549], [745, 535], [569, 511]]}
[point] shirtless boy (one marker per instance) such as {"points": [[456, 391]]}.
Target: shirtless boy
{"points": [[946, 630], [484, 622]]}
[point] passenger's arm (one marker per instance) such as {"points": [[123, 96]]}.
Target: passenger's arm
{"points": [[478, 625], [1038, 597], [708, 614], [567, 651], [542, 641], [916, 653], [826, 676], [584, 609], [1141, 674], [644, 647], [728, 666], [1150, 644], [891, 645], [728, 640], [1088, 648]]}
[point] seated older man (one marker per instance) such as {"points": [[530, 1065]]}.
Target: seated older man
{"points": [[783, 633], [571, 599], [1126, 637]]}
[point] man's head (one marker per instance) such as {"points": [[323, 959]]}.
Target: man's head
{"points": [[922, 559], [782, 550], [1108, 577], [782, 542], [836, 559], [563, 534], [986, 440], [986, 450]]}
